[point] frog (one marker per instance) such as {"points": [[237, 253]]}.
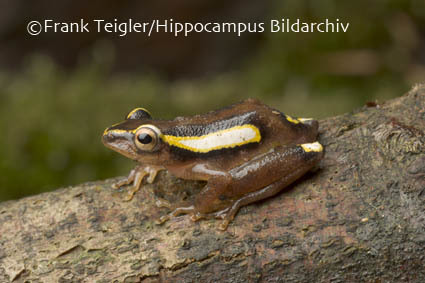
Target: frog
{"points": [[245, 152]]}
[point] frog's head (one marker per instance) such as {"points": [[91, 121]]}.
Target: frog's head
{"points": [[136, 137]]}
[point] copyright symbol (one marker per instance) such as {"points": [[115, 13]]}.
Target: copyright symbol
{"points": [[34, 28]]}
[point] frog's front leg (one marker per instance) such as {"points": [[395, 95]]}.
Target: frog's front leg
{"points": [[199, 171], [136, 177]]}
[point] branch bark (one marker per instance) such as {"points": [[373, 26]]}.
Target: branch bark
{"points": [[358, 217]]}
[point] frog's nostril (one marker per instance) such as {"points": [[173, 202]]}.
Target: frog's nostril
{"points": [[107, 136]]}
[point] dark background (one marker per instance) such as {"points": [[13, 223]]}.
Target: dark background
{"points": [[59, 91]]}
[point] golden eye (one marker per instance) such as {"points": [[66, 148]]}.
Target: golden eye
{"points": [[146, 138]]}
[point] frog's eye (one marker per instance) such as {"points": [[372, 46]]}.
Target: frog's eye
{"points": [[147, 138], [138, 113]]}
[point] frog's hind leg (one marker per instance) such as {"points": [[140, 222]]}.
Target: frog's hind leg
{"points": [[304, 156], [228, 214]]}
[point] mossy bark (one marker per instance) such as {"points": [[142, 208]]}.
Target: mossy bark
{"points": [[359, 217]]}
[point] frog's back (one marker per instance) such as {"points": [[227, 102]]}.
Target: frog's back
{"points": [[237, 132], [272, 123]]}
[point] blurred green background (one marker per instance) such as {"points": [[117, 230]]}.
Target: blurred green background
{"points": [[59, 91]]}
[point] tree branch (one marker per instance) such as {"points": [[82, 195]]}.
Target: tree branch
{"points": [[358, 217]]}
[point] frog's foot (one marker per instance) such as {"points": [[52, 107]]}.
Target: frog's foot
{"points": [[136, 177], [137, 183], [125, 181], [228, 214], [194, 214], [225, 216]]}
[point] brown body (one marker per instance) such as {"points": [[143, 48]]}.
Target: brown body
{"points": [[259, 151]]}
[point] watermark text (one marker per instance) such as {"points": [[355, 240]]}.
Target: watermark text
{"points": [[148, 28]]}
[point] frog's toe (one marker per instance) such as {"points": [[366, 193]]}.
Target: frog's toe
{"points": [[163, 219], [117, 185], [223, 225], [222, 214], [196, 216], [162, 203], [129, 197]]}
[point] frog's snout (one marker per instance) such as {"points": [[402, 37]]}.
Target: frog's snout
{"points": [[110, 137], [106, 136]]}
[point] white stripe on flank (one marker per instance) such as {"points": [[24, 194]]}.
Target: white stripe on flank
{"points": [[227, 138], [221, 139]]}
